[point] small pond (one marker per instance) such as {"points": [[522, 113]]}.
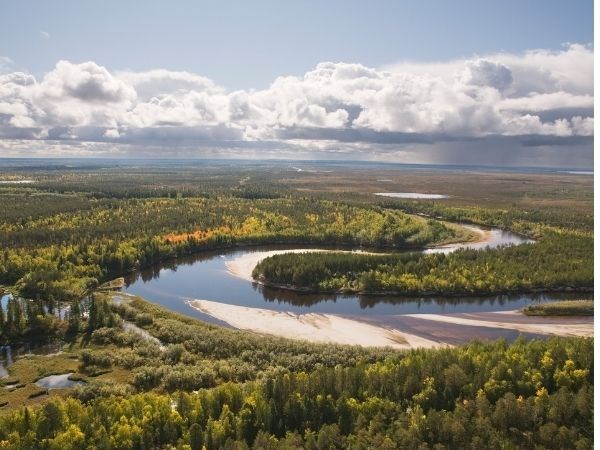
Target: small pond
{"points": [[57, 382], [411, 195]]}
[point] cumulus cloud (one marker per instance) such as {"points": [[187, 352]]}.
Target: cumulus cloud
{"points": [[86, 82], [44, 35], [539, 93]]}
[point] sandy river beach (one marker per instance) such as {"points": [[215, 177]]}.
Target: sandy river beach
{"points": [[311, 326]]}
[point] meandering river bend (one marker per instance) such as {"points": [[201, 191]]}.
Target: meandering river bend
{"points": [[206, 276]]}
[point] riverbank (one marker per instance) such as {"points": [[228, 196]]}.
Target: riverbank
{"points": [[324, 328]]}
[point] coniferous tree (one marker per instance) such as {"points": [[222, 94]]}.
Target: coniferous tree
{"points": [[74, 317], [195, 436]]}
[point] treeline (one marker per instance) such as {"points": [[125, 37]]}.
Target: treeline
{"points": [[558, 261], [81, 241], [525, 395], [61, 257]]}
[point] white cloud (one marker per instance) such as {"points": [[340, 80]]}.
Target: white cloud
{"points": [[44, 35], [86, 82], [160, 82], [79, 95], [538, 93], [583, 126], [112, 133], [545, 102], [545, 71]]}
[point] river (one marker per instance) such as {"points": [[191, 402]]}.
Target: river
{"points": [[216, 287]]}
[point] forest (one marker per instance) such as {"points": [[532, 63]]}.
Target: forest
{"points": [[209, 387], [151, 378]]}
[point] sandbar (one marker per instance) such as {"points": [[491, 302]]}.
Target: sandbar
{"points": [[535, 325], [312, 327]]}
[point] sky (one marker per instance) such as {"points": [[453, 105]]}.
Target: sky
{"points": [[498, 82]]}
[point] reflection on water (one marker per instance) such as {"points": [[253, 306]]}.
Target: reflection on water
{"points": [[59, 309], [404, 304], [5, 360], [206, 277], [57, 382], [4, 300], [8, 352]]}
